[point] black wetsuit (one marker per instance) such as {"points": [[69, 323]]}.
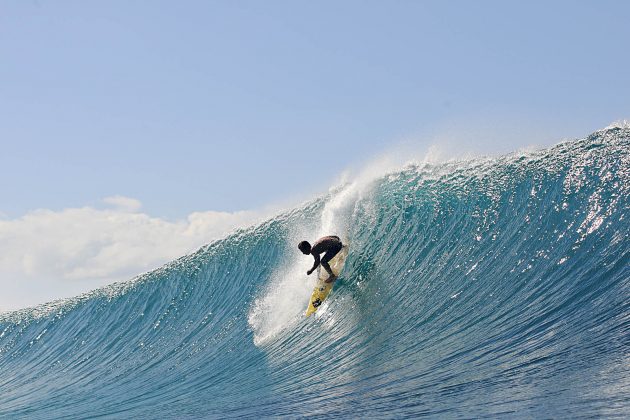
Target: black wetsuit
{"points": [[331, 245]]}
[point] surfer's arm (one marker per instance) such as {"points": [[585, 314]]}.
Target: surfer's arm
{"points": [[316, 256]]}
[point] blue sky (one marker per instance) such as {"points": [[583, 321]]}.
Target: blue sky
{"points": [[132, 132], [199, 105]]}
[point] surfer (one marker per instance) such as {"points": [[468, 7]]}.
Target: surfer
{"points": [[331, 245]]}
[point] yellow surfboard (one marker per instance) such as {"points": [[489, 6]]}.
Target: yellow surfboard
{"points": [[322, 289]]}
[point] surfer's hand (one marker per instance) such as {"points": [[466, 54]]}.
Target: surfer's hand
{"points": [[308, 273]]}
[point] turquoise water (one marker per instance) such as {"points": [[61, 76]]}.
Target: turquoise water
{"points": [[491, 287]]}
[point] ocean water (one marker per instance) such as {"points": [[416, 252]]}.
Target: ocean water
{"points": [[494, 287]]}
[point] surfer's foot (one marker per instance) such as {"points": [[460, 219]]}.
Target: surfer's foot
{"points": [[331, 278]]}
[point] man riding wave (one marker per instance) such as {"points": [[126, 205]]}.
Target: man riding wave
{"points": [[331, 245]]}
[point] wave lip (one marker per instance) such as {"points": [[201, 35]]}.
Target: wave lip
{"points": [[487, 287]]}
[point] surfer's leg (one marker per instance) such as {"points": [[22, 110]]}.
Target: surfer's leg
{"points": [[329, 255], [327, 267]]}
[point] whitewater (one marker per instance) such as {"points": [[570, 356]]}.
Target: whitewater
{"points": [[486, 287]]}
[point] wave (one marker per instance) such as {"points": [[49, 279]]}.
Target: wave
{"points": [[486, 287]]}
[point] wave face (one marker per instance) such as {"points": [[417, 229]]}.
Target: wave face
{"points": [[491, 287]]}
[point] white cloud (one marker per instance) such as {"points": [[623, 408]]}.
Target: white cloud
{"points": [[48, 254]]}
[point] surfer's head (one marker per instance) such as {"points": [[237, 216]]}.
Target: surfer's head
{"points": [[305, 247]]}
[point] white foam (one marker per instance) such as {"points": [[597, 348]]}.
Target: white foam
{"points": [[282, 304], [617, 124]]}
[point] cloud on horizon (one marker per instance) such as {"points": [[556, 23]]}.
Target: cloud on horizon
{"points": [[46, 254]]}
